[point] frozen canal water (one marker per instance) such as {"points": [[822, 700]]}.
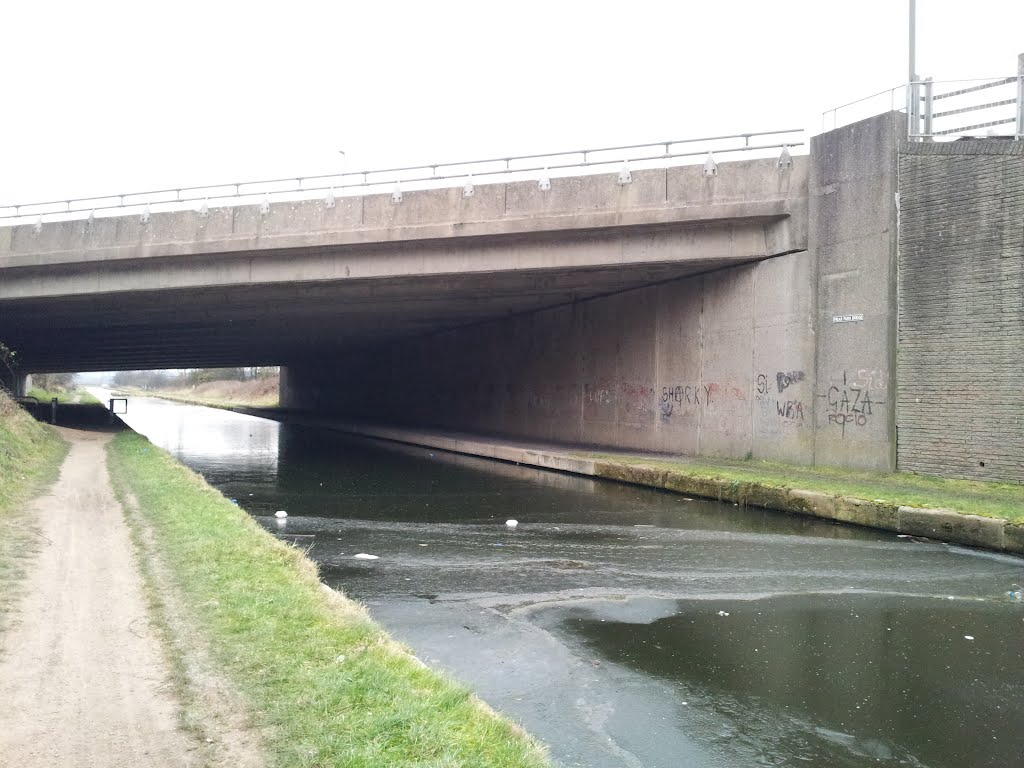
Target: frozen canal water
{"points": [[629, 627]]}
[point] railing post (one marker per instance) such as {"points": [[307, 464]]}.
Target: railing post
{"points": [[53, 411], [927, 110], [1020, 97], [912, 109]]}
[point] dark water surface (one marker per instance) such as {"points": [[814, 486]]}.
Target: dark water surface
{"points": [[630, 627]]}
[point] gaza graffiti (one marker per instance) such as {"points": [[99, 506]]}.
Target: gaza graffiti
{"points": [[850, 404]]}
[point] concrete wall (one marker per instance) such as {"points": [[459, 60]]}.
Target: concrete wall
{"points": [[740, 361], [961, 330], [720, 365], [852, 235], [15, 384]]}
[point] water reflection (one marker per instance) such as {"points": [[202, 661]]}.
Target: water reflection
{"points": [[835, 680]]}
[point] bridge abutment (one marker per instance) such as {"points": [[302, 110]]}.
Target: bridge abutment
{"points": [[790, 358], [853, 237], [15, 383]]}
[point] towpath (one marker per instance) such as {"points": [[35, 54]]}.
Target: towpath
{"points": [[83, 680]]}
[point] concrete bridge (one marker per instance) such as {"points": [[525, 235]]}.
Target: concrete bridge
{"points": [[748, 313]]}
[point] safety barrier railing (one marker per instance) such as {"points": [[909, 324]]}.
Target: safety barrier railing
{"points": [[945, 109], [953, 108], [540, 167]]}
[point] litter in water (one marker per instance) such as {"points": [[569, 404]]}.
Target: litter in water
{"points": [[364, 556]]}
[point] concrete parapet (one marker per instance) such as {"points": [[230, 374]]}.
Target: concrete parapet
{"points": [[746, 190]]}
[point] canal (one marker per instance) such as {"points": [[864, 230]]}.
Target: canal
{"points": [[630, 627]]}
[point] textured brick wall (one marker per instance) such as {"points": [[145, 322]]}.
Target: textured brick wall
{"points": [[960, 357]]}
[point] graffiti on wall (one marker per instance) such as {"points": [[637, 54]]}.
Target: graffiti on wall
{"points": [[619, 400], [852, 402], [785, 380], [678, 396], [777, 412]]}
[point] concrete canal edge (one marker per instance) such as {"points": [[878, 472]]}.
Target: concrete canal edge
{"points": [[940, 524]]}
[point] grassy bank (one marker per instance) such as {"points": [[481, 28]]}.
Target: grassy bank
{"points": [[30, 457], [326, 684], [898, 488], [258, 393], [63, 398]]}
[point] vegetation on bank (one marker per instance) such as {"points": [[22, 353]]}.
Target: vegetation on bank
{"points": [[1001, 500], [326, 683], [222, 393], [30, 457], [63, 397]]}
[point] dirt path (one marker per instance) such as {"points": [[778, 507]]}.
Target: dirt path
{"points": [[83, 681]]}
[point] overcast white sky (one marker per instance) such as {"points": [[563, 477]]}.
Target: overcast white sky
{"points": [[104, 97]]}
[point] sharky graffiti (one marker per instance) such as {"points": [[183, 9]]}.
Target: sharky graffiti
{"points": [[679, 395], [850, 404], [688, 394]]}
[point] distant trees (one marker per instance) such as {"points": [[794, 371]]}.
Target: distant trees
{"points": [[53, 382], [191, 377], [145, 379], [204, 375]]}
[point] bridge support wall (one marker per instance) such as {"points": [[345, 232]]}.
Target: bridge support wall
{"points": [[15, 384], [745, 361], [961, 347], [719, 364], [853, 237]]}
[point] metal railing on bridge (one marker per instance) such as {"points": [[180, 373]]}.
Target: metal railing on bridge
{"points": [[945, 109], [538, 167]]}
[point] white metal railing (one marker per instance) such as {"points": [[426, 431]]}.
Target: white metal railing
{"points": [[426, 176], [952, 108], [946, 109]]}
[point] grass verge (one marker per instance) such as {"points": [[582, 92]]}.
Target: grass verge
{"points": [[63, 398], [1000, 500], [327, 684], [30, 457]]}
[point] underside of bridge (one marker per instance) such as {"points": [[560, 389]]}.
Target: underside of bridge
{"points": [[275, 322]]}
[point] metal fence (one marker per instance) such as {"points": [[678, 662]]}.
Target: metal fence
{"points": [[938, 109], [428, 176], [945, 109]]}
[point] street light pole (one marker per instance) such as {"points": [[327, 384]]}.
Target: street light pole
{"points": [[913, 40], [913, 100]]}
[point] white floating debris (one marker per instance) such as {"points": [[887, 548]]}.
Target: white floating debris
{"points": [[280, 513], [723, 613], [364, 556], [511, 523], [968, 637]]}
